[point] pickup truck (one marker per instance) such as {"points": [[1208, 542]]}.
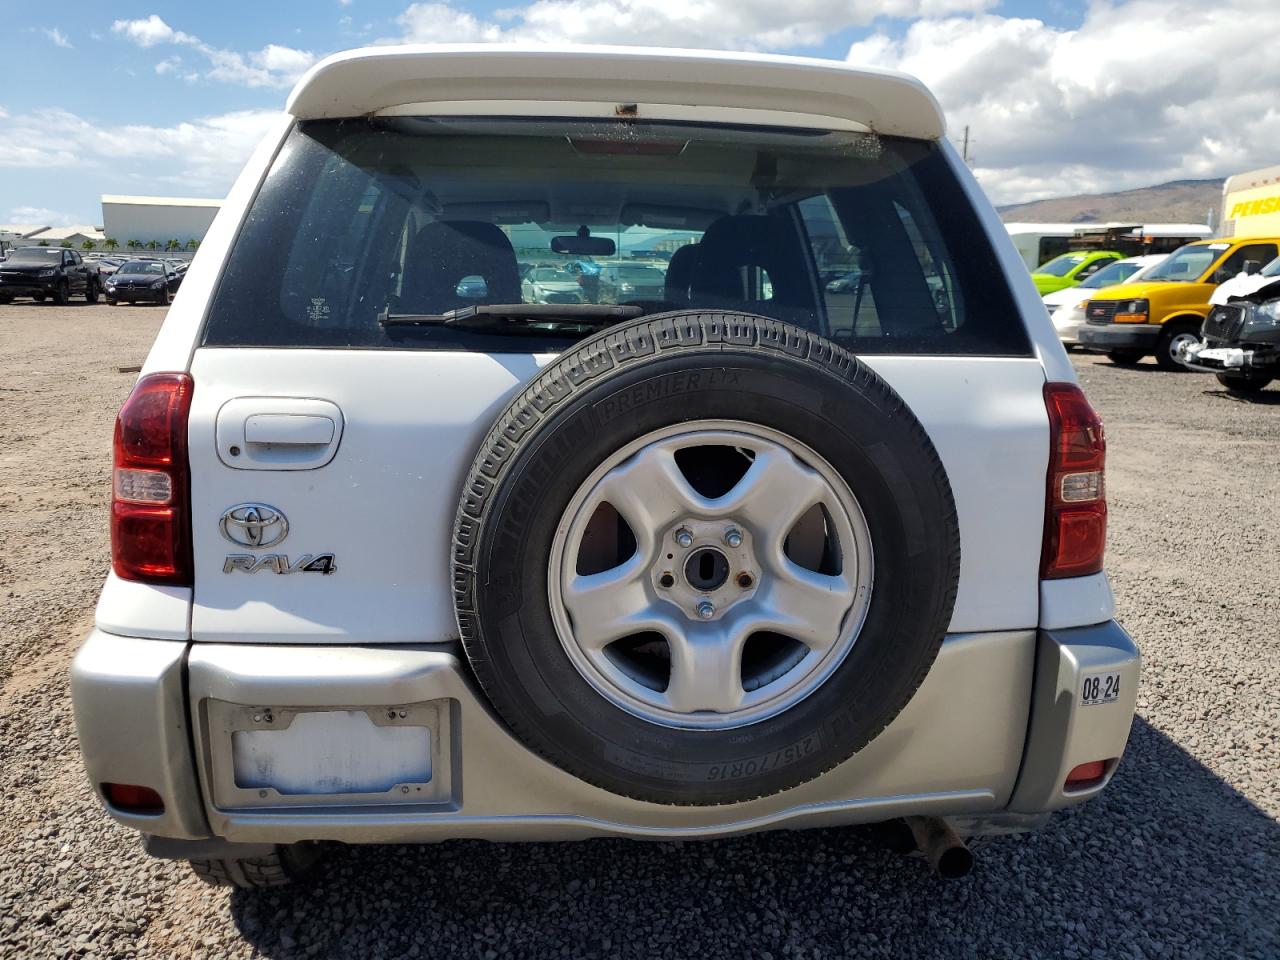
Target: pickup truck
{"points": [[47, 272]]}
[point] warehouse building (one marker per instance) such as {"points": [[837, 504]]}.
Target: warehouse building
{"points": [[157, 218]]}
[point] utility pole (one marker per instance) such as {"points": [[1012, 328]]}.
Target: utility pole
{"points": [[964, 146]]}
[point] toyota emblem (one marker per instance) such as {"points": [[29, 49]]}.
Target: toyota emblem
{"points": [[254, 525]]}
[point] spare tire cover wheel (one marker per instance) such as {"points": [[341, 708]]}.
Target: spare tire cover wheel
{"points": [[703, 558]]}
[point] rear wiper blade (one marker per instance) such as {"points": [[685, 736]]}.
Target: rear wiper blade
{"points": [[489, 315]]}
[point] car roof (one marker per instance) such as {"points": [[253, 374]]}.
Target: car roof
{"points": [[486, 78]]}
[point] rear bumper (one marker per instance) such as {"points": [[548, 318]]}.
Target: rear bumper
{"points": [[988, 739], [1119, 336]]}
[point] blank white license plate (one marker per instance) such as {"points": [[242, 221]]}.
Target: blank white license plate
{"points": [[1099, 688], [332, 752]]}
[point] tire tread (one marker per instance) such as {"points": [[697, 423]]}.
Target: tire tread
{"points": [[610, 352]]}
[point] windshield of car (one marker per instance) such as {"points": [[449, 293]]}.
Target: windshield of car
{"points": [[1272, 269], [1111, 275], [1189, 263], [1061, 266], [35, 255], [359, 222], [141, 266]]}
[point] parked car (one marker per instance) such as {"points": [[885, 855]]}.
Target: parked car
{"points": [[621, 282], [1167, 308], [1240, 339], [394, 565], [845, 283], [1066, 307], [143, 281], [1070, 269], [47, 273], [551, 285]]}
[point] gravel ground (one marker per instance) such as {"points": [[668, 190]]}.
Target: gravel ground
{"points": [[1179, 858]]}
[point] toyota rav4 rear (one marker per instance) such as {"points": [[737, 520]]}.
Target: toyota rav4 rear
{"points": [[777, 511]]}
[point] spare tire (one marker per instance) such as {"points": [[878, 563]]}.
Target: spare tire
{"points": [[703, 558]]}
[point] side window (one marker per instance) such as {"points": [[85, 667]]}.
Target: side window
{"points": [[1264, 253], [846, 292], [1091, 269], [938, 275]]}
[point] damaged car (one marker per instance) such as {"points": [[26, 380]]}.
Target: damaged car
{"points": [[1241, 337]]}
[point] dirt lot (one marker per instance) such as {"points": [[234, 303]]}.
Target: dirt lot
{"points": [[1180, 857]]}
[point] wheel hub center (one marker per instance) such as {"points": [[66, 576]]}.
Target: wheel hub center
{"points": [[706, 569]]}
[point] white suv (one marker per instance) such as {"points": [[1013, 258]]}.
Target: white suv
{"points": [[399, 557]]}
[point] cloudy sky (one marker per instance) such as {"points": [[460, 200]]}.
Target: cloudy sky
{"points": [[1061, 97]]}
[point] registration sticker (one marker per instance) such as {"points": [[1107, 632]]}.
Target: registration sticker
{"points": [[1099, 688]]}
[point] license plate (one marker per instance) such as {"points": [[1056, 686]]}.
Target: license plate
{"points": [[332, 752], [1227, 356], [1099, 688]]}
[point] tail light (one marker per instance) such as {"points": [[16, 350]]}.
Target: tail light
{"points": [[1075, 516], [150, 489]]}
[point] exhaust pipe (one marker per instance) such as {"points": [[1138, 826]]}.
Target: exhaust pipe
{"points": [[942, 847]]}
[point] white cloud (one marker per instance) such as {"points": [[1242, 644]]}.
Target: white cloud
{"points": [[723, 24], [150, 31], [168, 65], [42, 216], [272, 66], [1142, 92], [59, 38], [201, 156]]}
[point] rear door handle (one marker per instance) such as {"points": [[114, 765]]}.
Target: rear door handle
{"points": [[291, 429], [278, 433]]}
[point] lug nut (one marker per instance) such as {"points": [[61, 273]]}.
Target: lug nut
{"points": [[706, 609], [733, 537], [684, 537]]}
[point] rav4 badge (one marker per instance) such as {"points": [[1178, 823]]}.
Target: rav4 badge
{"points": [[256, 525], [280, 563]]}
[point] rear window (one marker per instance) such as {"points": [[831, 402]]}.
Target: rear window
{"points": [[869, 240]]}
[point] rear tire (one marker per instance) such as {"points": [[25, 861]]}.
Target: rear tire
{"points": [[62, 295], [91, 291], [1243, 386], [287, 864], [637, 393], [1175, 333], [1125, 358]]}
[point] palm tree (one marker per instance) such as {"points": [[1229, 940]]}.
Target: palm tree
{"points": [[172, 245], [133, 244], [43, 243], [111, 243], [88, 245], [153, 244], [192, 244], [65, 244]]}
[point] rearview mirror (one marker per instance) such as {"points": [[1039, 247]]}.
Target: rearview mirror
{"points": [[584, 246]]}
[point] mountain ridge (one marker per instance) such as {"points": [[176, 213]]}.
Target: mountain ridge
{"points": [[1176, 201]]}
